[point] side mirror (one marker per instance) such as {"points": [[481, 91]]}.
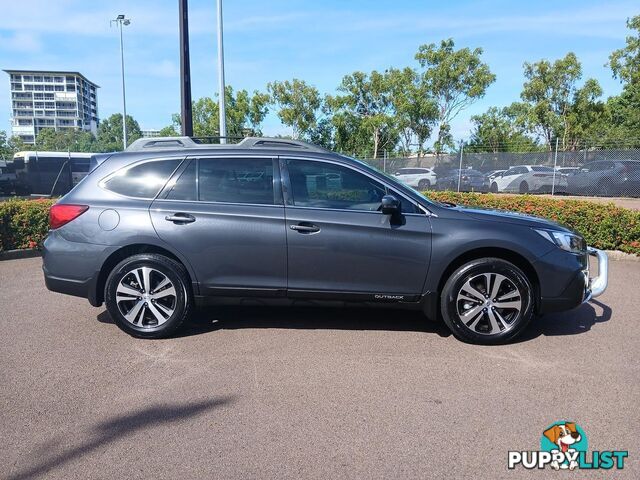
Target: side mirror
{"points": [[390, 205]]}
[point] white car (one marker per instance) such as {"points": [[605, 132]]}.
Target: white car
{"points": [[421, 178], [529, 178]]}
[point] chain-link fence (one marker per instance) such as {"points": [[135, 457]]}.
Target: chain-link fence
{"points": [[590, 172]]}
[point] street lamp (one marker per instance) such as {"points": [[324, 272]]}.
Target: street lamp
{"points": [[221, 98], [121, 20]]}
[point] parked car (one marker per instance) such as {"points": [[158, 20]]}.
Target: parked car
{"points": [[529, 178], [469, 180], [607, 178], [493, 174], [420, 178], [158, 229], [567, 170]]}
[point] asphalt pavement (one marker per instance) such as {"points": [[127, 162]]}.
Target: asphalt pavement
{"points": [[305, 393]]}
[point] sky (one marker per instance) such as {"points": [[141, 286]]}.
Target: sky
{"points": [[317, 41]]}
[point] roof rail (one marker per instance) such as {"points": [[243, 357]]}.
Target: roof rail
{"points": [[161, 142], [173, 143], [268, 142]]}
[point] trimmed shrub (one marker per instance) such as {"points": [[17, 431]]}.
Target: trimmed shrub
{"points": [[604, 226], [23, 223]]}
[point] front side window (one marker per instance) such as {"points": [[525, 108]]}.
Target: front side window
{"points": [[325, 185], [143, 180]]}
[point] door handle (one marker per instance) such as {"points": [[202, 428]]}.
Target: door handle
{"points": [[180, 218], [305, 228]]}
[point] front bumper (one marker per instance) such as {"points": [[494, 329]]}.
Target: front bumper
{"points": [[595, 286]]}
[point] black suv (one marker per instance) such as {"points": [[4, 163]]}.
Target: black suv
{"points": [[171, 223]]}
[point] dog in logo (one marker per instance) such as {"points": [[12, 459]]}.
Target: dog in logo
{"points": [[563, 435]]}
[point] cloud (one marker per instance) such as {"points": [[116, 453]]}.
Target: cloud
{"points": [[24, 42]]}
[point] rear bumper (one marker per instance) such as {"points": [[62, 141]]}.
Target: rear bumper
{"points": [[77, 288]]}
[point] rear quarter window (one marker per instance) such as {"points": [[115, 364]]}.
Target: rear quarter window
{"points": [[143, 180]]}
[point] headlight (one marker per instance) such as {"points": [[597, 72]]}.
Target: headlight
{"points": [[566, 241]]}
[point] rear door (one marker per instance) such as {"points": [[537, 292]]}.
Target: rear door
{"points": [[226, 216], [340, 245]]}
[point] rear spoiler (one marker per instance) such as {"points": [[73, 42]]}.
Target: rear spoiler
{"points": [[97, 159]]}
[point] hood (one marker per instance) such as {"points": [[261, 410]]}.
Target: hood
{"points": [[504, 216]]}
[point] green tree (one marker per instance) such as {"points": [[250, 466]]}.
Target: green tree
{"points": [[624, 109], [555, 107], [9, 146], [110, 133], [168, 131], [52, 140], [365, 103], [298, 105], [415, 110], [244, 114], [454, 79], [496, 130]]}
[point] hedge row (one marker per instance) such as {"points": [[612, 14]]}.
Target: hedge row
{"points": [[24, 223], [603, 225]]}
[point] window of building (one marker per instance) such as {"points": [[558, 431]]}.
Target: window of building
{"points": [[143, 180]]}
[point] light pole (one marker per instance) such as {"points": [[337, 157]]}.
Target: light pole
{"points": [[221, 100], [121, 20]]}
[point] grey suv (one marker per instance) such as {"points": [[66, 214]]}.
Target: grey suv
{"points": [[171, 223]]}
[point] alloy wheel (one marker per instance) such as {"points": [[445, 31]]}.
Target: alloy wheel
{"points": [[489, 303], [146, 297]]}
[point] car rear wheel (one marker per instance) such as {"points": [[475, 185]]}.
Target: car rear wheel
{"points": [[148, 296], [424, 184], [487, 301], [494, 187]]}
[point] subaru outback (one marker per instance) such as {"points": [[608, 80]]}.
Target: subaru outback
{"points": [[171, 224]]}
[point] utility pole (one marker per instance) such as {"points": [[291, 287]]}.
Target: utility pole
{"points": [[186, 115], [121, 20], [460, 168], [221, 97], [555, 164]]}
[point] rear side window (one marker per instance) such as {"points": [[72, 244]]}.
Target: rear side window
{"points": [[143, 180], [236, 180]]}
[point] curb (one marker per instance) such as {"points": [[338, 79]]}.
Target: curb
{"points": [[618, 255], [21, 253]]}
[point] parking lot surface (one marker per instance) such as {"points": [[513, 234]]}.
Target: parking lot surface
{"points": [[305, 392]]}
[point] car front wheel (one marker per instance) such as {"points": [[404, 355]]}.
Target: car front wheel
{"points": [[424, 184], [487, 301], [147, 295]]}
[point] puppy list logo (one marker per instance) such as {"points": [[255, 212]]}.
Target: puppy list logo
{"points": [[563, 446]]}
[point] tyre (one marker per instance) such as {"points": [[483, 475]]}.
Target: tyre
{"points": [[148, 295], [424, 184], [487, 301], [604, 189], [524, 187], [494, 187]]}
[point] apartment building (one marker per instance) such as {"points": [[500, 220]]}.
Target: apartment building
{"points": [[50, 99]]}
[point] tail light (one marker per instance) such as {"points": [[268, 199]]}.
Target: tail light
{"points": [[61, 214]]}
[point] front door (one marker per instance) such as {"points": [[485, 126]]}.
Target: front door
{"points": [[225, 215], [338, 241]]}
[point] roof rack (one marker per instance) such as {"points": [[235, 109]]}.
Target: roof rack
{"points": [[173, 143]]}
